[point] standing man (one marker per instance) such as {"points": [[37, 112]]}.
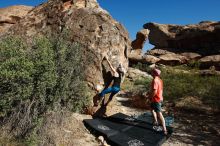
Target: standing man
{"points": [[156, 98]]}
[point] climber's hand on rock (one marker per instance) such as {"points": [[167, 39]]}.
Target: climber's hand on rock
{"points": [[106, 57]]}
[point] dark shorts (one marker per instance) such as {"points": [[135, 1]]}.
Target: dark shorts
{"points": [[156, 106]]}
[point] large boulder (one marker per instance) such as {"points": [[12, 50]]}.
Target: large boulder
{"points": [[141, 38], [172, 59], [137, 45], [183, 44], [203, 38], [166, 57], [11, 15], [191, 56], [134, 73], [158, 52], [88, 24], [207, 61]]}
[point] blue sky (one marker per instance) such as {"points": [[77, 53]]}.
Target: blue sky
{"points": [[134, 13]]}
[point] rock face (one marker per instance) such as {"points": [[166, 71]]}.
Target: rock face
{"points": [[11, 15], [87, 23], [141, 38], [175, 44], [136, 53], [134, 73], [203, 38], [209, 61]]}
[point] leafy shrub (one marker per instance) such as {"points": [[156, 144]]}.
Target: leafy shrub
{"points": [[70, 89], [16, 70], [35, 78], [178, 85]]}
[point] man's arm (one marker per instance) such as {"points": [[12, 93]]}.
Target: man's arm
{"points": [[154, 88], [112, 68]]}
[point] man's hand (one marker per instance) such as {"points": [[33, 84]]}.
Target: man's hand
{"points": [[146, 94], [106, 57]]}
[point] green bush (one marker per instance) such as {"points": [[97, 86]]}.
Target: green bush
{"points": [[194, 64], [70, 89], [34, 78], [138, 86], [16, 70], [178, 85]]}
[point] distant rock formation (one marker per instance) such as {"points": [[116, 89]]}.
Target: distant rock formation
{"points": [[176, 44], [87, 23], [11, 15], [202, 38], [137, 45]]}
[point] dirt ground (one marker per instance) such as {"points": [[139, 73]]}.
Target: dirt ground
{"points": [[191, 127]]}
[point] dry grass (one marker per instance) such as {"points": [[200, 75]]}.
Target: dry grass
{"points": [[65, 129], [193, 103]]}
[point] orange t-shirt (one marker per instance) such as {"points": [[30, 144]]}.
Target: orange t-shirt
{"points": [[157, 84]]}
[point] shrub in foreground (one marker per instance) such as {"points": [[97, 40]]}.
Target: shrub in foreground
{"points": [[36, 78]]}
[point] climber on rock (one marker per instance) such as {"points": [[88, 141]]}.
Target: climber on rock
{"points": [[118, 75]]}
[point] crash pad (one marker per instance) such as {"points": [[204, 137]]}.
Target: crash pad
{"points": [[124, 130]]}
